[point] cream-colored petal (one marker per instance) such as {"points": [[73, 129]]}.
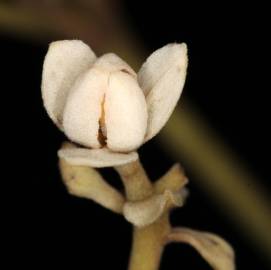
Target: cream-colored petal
{"points": [[110, 62], [145, 212], [84, 108], [216, 251], [97, 158], [162, 79], [125, 113], [64, 61]]}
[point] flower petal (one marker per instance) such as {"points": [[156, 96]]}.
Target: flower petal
{"points": [[216, 251], [64, 61], [162, 79], [97, 158], [125, 113], [84, 108]]}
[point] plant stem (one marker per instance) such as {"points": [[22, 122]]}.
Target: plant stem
{"points": [[135, 180], [148, 245], [148, 242]]}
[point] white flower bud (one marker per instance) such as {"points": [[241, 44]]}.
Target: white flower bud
{"points": [[98, 102]]}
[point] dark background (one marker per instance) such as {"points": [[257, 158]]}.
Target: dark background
{"points": [[228, 80]]}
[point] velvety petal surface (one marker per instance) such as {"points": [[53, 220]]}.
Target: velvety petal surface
{"points": [[125, 113], [64, 62], [83, 108], [162, 78]]}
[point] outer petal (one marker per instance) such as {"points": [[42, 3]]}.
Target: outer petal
{"points": [[84, 108], [125, 113], [97, 158], [216, 251], [64, 61], [162, 79]]}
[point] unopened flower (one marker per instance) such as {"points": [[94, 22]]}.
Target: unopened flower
{"points": [[103, 105]]}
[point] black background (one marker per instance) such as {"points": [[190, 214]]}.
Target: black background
{"points": [[228, 81]]}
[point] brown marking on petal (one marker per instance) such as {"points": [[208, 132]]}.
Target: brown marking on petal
{"points": [[102, 129], [126, 71]]}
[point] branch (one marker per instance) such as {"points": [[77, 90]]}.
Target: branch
{"points": [[216, 251], [86, 182]]}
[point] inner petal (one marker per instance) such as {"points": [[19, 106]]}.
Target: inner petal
{"points": [[125, 113], [110, 62], [83, 109]]}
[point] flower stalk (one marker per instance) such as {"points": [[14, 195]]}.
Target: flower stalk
{"points": [[148, 242], [148, 245]]}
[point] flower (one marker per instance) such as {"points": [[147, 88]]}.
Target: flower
{"points": [[103, 105]]}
